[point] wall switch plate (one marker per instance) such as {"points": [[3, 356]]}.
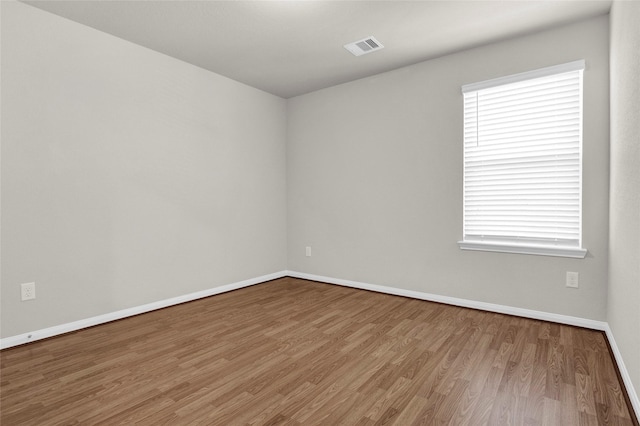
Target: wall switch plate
{"points": [[28, 291], [308, 251], [572, 279]]}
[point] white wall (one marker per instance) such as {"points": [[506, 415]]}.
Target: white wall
{"points": [[623, 311], [374, 178], [128, 176]]}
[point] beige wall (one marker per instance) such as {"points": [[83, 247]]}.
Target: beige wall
{"points": [[374, 178], [623, 313], [128, 176]]}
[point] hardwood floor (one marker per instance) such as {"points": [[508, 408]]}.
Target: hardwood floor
{"points": [[298, 352]]}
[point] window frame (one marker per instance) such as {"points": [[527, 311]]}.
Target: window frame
{"points": [[512, 244]]}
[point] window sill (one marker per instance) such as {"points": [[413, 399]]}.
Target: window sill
{"points": [[576, 253]]}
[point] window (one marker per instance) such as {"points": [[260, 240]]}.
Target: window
{"points": [[523, 163]]}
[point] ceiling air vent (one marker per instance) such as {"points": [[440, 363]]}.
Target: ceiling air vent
{"points": [[366, 45]]}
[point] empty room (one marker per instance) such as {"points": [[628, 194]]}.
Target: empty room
{"points": [[320, 212]]}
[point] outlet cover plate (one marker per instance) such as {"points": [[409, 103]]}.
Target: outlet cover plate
{"points": [[28, 291], [572, 279]]}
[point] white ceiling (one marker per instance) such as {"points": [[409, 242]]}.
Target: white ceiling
{"points": [[290, 48]]}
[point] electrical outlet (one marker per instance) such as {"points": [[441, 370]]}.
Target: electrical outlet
{"points": [[572, 279], [28, 291], [308, 251]]}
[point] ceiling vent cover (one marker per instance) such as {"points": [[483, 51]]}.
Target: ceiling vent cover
{"points": [[366, 45]]}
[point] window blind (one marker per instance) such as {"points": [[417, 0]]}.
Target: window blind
{"points": [[522, 160]]}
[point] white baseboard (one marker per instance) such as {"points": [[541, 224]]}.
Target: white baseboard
{"points": [[44, 333], [465, 303], [491, 307], [626, 378]]}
